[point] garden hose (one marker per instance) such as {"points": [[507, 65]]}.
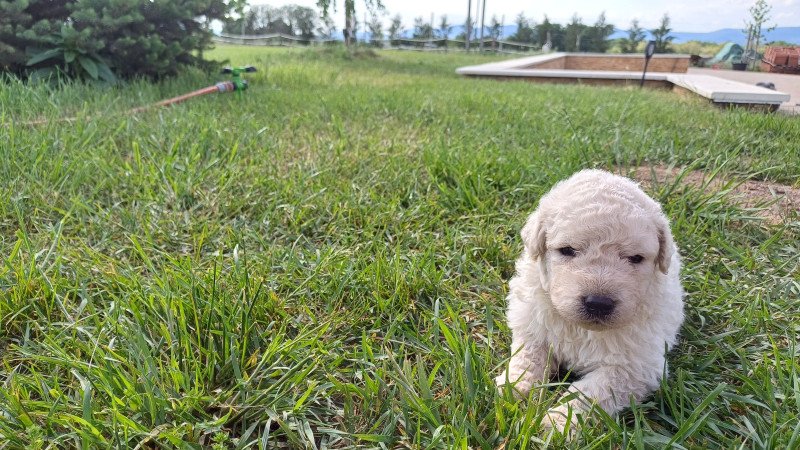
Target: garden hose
{"points": [[236, 84]]}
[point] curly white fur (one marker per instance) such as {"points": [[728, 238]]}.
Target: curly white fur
{"points": [[586, 239]]}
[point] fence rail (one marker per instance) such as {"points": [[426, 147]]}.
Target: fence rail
{"points": [[285, 40]]}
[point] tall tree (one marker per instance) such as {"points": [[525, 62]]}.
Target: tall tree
{"points": [[327, 28], [759, 15], [265, 19], [422, 29], [495, 30], [471, 28], [573, 34], [662, 35], [636, 35], [524, 33], [349, 14], [375, 26], [302, 19], [395, 29], [550, 31], [232, 25], [444, 27], [598, 34]]}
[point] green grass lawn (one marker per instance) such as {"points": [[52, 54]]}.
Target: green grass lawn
{"points": [[322, 263]]}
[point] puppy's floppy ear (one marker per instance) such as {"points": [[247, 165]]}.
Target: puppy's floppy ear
{"points": [[666, 245], [534, 235]]}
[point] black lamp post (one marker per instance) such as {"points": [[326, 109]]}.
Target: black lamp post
{"points": [[648, 53]]}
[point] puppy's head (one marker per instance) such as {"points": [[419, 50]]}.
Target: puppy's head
{"points": [[599, 242]]}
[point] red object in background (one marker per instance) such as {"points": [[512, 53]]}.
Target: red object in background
{"points": [[781, 60], [793, 58]]}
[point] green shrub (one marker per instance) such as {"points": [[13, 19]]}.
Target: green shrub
{"points": [[70, 57], [81, 38]]}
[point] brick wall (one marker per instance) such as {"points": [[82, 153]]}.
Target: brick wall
{"points": [[615, 63], [558, 63], [676, 64], [664, 84]]}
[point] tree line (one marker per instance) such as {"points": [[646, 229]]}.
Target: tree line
{"points": [[574, 36], [293, 20]]}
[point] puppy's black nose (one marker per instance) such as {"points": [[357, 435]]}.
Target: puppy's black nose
{"points": [[598, 306]]}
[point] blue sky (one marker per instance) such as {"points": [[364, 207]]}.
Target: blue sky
{"points": [[686, 15]]}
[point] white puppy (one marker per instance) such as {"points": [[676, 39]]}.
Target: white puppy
{"points": [[596, 291]]}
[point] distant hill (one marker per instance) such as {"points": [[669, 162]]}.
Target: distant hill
{"points": [[788, 34]]}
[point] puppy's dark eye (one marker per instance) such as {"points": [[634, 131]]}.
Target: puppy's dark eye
{"points": [[567, 251], [636, 259]]}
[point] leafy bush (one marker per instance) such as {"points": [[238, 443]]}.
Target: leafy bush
{"points": [[71, 58], [85, 37]]}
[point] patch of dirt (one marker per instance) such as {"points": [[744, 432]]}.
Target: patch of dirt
{"points": [[784, 200]]}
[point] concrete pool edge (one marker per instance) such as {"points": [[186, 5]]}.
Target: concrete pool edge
{"points": [[717, 90]]}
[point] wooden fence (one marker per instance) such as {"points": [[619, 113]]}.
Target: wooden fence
{"points": [[442, 45]]}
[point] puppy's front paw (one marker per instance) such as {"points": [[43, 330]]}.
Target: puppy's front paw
{"points": [[561, 419], [500, 380], [520, 384]]}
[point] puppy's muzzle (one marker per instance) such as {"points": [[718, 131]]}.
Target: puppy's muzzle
{"points": [[598, 307]]}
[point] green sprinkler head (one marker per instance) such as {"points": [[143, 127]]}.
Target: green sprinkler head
{"points": [[239, 83]]}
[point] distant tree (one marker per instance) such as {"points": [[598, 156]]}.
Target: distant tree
{"points": [[238, 25], [443, 32], [355, 24], [472, 31], [395, 29], [259, 18], [782, 43], [524, 33], [636, 35], [349, 14], [495, 30], [598, 34], [553, 31], [327, 28], [256, 17], [573, 33], [279, 26], [662, 35], [422, 29], [302, 19], [759, 15], [375, 26], [265, 19], [444, 27]]}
